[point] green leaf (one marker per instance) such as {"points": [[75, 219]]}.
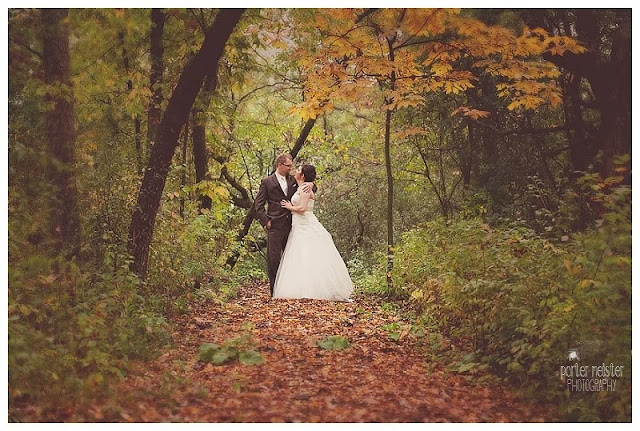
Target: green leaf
{"points": [[221, 356], [206, 351], [334, 342], [250, 357], [395, 336], [466, 367]]}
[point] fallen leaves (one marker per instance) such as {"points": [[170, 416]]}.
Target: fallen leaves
{"points": [[376, 379]]}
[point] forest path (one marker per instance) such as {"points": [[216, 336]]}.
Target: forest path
{"points": [[375, 380]]}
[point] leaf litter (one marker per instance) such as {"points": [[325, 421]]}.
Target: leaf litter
{"points": [[372, 379]]}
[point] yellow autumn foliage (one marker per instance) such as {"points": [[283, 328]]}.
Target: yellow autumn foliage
{"points": [[408, 52]]}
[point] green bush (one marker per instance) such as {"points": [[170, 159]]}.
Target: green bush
{"points": [[368, 273], [187, 251], [188, 258], [71, 333], [518, 301]]}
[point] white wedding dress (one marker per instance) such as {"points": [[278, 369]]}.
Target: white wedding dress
{"points": [[311, 266]]}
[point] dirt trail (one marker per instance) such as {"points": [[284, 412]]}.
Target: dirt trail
{"points": [[375, 380]]}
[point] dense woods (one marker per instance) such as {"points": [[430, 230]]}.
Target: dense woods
{"points": [[474, 172]]}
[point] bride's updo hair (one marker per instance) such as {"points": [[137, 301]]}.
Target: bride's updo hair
{"points": [[309, 172]]}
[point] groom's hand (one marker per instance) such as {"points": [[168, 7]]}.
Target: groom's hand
{"points": [[307, 187], [268, 225]]}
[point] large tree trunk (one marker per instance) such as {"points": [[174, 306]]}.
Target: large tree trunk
{"points": [[174, 118], [65, 216], [155, 77]]}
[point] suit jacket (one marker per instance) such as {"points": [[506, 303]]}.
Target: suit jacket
{"points": [[270, 194]]}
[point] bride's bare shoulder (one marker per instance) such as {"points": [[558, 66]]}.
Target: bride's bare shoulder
{"points": [[307, 189], [310, 192]]}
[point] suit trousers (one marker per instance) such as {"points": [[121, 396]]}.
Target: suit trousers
{"points": [[276, 242]]}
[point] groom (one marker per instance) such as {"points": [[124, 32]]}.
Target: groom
{"points": [[277, 220]]}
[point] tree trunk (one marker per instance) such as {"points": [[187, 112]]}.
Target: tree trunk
{"points": [[183, 182], [302, 138], [200, 155], [136, 119], [155, 77], [205, 62], [387, 162], [446, 204], [580, 152], [612, 88], [465, 154], [65, 215], [427, 174]]}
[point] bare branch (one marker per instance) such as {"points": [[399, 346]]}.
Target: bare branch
{"points": [[31, 50], [365, 14]]}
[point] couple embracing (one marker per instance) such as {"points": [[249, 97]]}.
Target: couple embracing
{"points": [[302, 260]]}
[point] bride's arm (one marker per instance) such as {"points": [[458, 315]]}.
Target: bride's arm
{"points": [[302, 206]]}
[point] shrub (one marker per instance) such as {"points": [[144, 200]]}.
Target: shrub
{"points": [[518, 301], [72, 334]]}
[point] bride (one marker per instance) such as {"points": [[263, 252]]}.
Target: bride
{"points": [[311, 266]]}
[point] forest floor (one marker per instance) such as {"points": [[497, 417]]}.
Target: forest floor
{"points": [[376, 379]]}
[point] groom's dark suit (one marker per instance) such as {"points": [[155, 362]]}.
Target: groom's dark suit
{"points": [[270, 193]]}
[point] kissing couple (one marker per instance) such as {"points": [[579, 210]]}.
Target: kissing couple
{"points": [[302, 260]]}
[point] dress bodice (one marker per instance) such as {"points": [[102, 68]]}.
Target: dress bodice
{"points": [[305, 217], [295, 200]]}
